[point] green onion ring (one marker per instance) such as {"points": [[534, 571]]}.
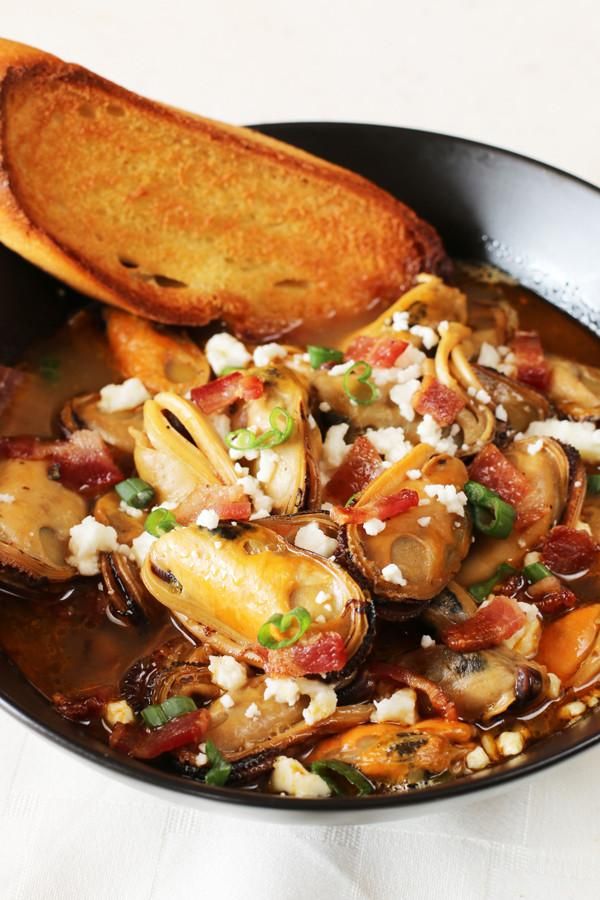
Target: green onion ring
{"points": [[283, 622], [322, 767], [159, 522], [491, 514], [535, 572], [483, 589], [220, 769], [319, 355], [135, 492], [363, 378]]}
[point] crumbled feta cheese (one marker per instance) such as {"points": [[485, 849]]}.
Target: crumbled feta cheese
{"points": [[527, 639], [424, 501], [488, 356], [201, 759], [227, 672], [324, 406], [310, 537], [401, 707], [268, 353], [118, 397], [141, 546], [118, 711], [443, 327], [221, 423], [267, 465], [290, 777], [413, 474], [261, 502], [253, 712], [534, 448], [446, 494], [87, 540], [431, 433], [510, 743], [501, 414], [341, 368], [312, 421], [227, 701], [322, 597], [572, 710], [427, 335], [427, 641], [131, 510], [554, 686], [208, 518], [477, 759], [323, 698], [402, 395], [389, 442], [374, 526], [532, 557], [424, 521], [584, 436], [282, 690], [223, 351], [479, 394], [400, 321], [334, 446], [7, 498], [392, 573]]}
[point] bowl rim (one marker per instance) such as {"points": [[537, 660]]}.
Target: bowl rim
{"points": [[176, 785]]}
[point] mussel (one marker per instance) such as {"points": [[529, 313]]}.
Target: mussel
{"points": [[114, 428], [224, 584], [521, 403], [128, 600], [574, 388], [110, 510], [36, 515], [570, 646], [427, 543], [176, 668]]}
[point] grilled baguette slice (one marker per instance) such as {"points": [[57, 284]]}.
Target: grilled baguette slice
{"points": [[185, 220]]}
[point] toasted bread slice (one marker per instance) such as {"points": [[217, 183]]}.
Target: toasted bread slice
{"points": [[184, 220]]}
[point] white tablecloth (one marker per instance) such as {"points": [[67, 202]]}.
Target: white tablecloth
{"points": [[523, 74]]}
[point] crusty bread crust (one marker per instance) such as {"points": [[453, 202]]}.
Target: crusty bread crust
{"points": [[185, 220]]}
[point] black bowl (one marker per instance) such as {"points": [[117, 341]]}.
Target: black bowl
{"points": [[539, 224]]}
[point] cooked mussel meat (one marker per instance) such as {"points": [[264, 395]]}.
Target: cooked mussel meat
{"points": [[574, 388], [113, 427]]}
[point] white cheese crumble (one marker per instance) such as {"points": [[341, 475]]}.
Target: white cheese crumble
{"points": [[500, 413], [268, 353], [584, 436], [252, 712], [479, 394], [488, 356], [424, 521], [324, 406], [261, 502], [282, 690], [341, 368], [477, 759], [443, 327], [118, 711], [374, 526], [392, 573], [389, 442], [413, 474], [208, 518], [431, 433], [427, 641], [402, 395], [510, 743], [201, 759], [290, 777], [7, 498], [141, 547], [118, 397], [334, 446], [534, 448], [323, 698], [400, 321], [267, 465], [223, 351], [446, 494], [401, 707], [87, 540], [572, 710], [131, 510], [227, 701], [227, 672], [427, 335], [311, 537]]}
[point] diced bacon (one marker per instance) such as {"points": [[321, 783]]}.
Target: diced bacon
{"points": [[556, 601], [439, 401], [384, 508], [144, 743], [85, 706], [438, 699], [361, 465], [490, 625], [492, 469], [567, 551], [381, 352], [228, 501], [532, 367], [83, 461], [325, 653], [10, 379], [217, 395]]}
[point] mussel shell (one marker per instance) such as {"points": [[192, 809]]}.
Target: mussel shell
{"points": [[107, 509], [224, 585], [574, 388], [428, 557], [113, 428], [522, 403], [34, 527], [127, 597], [174, 668]]}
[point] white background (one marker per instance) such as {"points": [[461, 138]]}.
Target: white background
{"points": [[524, 74]]}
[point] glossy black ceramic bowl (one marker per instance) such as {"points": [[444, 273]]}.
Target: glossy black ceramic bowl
{"points": [[540, 225]]}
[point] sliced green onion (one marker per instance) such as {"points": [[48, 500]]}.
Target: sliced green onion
{"points": [[282, 425], [353, 499], [283, 622], [361, 371], [535, 572], [160, 713], [483, 589], [319, 355], [228, 370], [323, 768], [50, 369], [491, 514], [593, 484], [220, 769], [135, 492], [160, 521]]}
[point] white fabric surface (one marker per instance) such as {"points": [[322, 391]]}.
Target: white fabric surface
{"points": [[523, 74]]}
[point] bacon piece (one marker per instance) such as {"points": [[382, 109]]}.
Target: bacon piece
{"points": [[438, 699], [85, 706], [442, 403], [361, 465], [217, 395], [532, 367], [325, 653], [145, 743], [10, 379], [83, 461], [381, 352], [556, 601], [384, 508], [492, 469], [490, 625], [228, 501], [567, 551]]}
